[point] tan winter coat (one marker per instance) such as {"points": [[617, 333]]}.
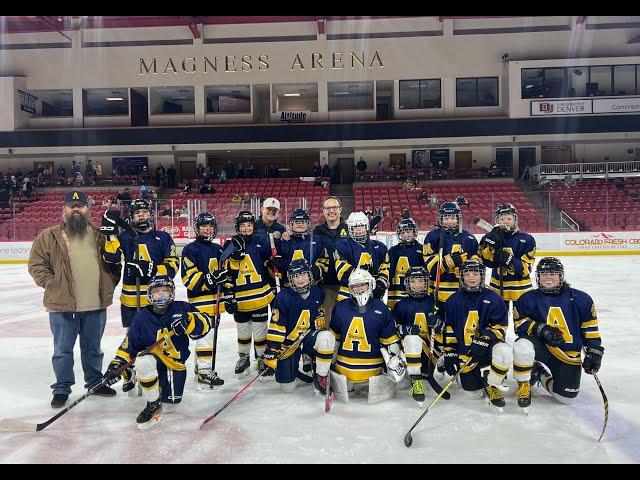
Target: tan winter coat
{"points": [[50, 267]]}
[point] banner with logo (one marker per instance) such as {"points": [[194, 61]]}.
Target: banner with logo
{"points": [[294, 116], [616, 105], [15, 252], [28, 102], [561, 107]]}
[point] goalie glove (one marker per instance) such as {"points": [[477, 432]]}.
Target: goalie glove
{"points": [[395, 367]]}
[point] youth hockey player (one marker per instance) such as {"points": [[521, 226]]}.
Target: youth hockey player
{"points": [[368, 344], [296, 309], [510, 254], [163, 373], [251, 290], [476, 321], [458, 246], [415, 318], [554, 323], [202, 273], [406, 254], [359, 251]]}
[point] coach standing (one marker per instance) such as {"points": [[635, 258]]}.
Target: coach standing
{"points": [[66, 260], [332, 230]]}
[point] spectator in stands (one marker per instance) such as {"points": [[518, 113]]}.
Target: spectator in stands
{"points": [[187, 188], [98, 170], [75, 168], [423, 196], [107, 202], [380, 166], [90, 201], [14, 189], [144, 192], [433, 200], [326, 172], [569, 181], [361, 165], [236, 198], [336, 172], [461, 200], [317, 171], [125, 196], [369, 213], [231, 170], [160, 174], [27, 187], [200, 171], [268, 221], [66, 260], [79, 180], [89, 173], [406, 213], [61, 172], [145, 177], [273, 171], [171, 176], [494, 171], [206, 190]]}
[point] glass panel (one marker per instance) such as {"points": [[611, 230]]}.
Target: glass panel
{"points": [[409, 94], [487, 92], [53, 103], [577, 78], [289, 97], [624, 80], [228, 98], [554, 82], [466, 92], [172, 100], [599, 81], [106, 101], [430, 93], [532, 83], [350, 95]]}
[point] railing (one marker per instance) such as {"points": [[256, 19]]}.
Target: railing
{"points": [[565, 218], [545, 172]]}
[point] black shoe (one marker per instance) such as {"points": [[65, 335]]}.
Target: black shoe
{"points": [[151, 415], [105, 391], [59, 400]]}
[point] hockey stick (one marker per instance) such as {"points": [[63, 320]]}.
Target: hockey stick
{"points": [[20, 426], [408, 439], [274, 252], [486, 226], [605, 400], [432, 335], [291, 348]]}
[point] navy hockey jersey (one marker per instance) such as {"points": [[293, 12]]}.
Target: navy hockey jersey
{"points": [[300, 247], [571, 311], [156, 246], [147, 327], [361, 335], [416, 311], [463, 243], [401, 258], [349, 255], [198, 259], [516, 278]]}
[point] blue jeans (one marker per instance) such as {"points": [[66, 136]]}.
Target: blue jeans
{"points": [[66, 326]]}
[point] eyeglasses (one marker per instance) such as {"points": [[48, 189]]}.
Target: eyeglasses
{"points": [[332, 208]]}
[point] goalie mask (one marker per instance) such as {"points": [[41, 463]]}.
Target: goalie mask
{"points": [[361, 285], [161, 292]]}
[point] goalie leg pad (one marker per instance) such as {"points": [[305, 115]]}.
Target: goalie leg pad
{"points": [[381, 388], [339, 383]]}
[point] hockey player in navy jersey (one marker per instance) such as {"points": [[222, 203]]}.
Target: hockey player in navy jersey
{"points": [[248, 268], [415, 318], [554, 323], [298, 244], [162, 373], [145, 251], [475, 325], [368, 351], [510, 254], [296, 309], [359, 251], [202, 273], [458, 246], [406, 254]]}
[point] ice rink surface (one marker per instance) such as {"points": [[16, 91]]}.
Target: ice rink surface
{"points": [[265, 425]]}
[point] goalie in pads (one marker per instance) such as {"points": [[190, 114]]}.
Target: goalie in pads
{"points": [[368, 346]]}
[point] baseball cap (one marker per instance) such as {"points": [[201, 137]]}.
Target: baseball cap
{"points": [[74, 196], [271, 203]]}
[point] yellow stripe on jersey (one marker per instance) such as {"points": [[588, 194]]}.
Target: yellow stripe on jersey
{"points": [[390, 340], [358, 376], [592, 335], [570, 357], [360, 361], [589, 323]]}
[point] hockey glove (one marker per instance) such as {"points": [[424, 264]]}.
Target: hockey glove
{"points": [[231, 305], [316, 271], [479, 348], [435, 322], [506, 258], [217, 277], [270, 361], [453, 260], [592, 360], [113, 373], [551, 335], [109, 222], [412, 329], [494, 237], [275, 262], [395, 367], [179, 323], [141, 269], [451, 363], [381, 287]]}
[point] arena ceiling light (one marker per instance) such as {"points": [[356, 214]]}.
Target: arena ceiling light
{"points": [[115, 99], [291, 94]]}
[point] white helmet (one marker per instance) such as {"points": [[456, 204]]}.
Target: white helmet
{"points": [[357, 277], [358, 219]]}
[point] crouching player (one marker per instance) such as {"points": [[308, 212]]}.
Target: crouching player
{"points": [[416, 317], [368, 345], [475, 325], [162, 373], [296, 309], [553, 323]]}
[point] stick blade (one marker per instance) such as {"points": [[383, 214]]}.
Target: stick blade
{"points": [[408, 440], [6, 424], [206, 422], [483, 224]]}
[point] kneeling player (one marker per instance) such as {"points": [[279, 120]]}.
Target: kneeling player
{"points": [[296, 309], [553, 323], [367, 342], [475, 324], [162, 373], [415, 318]]}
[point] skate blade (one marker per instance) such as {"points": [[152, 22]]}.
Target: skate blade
{"points": [[503, 388], [525, 410], [156, 419], [328, 403], [203, 387], [498, 410], [419, 404], [243, 374]]}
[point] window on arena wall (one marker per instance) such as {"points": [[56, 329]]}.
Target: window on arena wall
{"points": [[350, 96], [228, 98], [577, 78], [477, 92], [172, 100], [105, 101], [416, 94], [554, 83], [53, 103], [290, 97], [624, 80], [532, 81], [600, 80]]}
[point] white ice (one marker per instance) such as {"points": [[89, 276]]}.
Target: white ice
{"points": [[265, 425]]}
